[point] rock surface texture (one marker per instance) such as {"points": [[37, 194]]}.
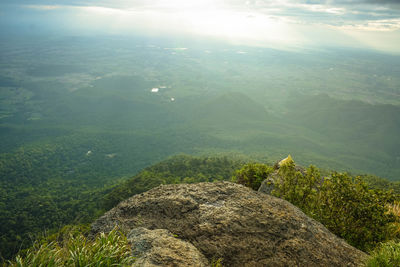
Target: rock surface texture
{"points": [[160, 248], [268, 185], [231, 222]]}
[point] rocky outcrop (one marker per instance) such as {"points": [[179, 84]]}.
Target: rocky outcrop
{"points": [[236, 224], [268, 185], [160, 248]]}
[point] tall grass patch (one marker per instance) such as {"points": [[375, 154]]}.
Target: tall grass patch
{"points": [[110, 249]]}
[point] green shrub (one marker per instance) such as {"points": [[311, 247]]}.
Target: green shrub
{"points": [[386, 255], [110, 249], [297, 188], [345, 205], [252, 175], [348, 208]]}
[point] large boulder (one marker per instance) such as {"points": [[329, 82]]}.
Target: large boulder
{"points": [[234, 223], [159, 247]]}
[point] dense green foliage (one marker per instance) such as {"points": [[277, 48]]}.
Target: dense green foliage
{"points": [[381, 183], [345, 205], [45, 187], [110, 249], [252, 175], [179, 169], [66, 195], [351, 210], [386, 255], [59, 202], [298, 187]]}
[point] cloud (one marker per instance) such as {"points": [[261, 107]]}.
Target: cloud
{"points": [[44, 7], [378, 2], [329, 12], [254, 21]]}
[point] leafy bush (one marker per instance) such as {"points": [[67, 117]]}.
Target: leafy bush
{"points": [[110, 249], [252, 175], [386, 255], [351, 210], [345, 205], [297, 188]]}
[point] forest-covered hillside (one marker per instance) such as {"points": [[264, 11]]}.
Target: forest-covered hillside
{"points": [[32, 208], [80, 117], [338, 109], [370, 204], [48, 205]]}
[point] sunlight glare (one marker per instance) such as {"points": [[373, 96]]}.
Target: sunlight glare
{"points": [[207, 18]]}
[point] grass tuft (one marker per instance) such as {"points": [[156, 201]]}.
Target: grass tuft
{"points": [[110, 249]]}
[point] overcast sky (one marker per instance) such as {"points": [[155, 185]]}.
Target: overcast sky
{"points": [[278, 23]]}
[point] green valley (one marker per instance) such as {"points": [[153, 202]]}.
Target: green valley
{"points": [[84, 114]]}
